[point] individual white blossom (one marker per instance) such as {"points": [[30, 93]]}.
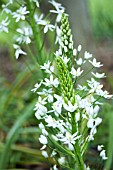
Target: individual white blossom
{"points": [[20, 13], [94, 85], [87, 55], [56, 4], [79, 48], [61, 160], [51, 82], [43, 147], [99, 147], [38, 18], [58, 35], [54, 168], [74, 52], [103, 155], [48, 94], [41, 110], [69, 107], [47, 25], [4, 25], [36, 87], [45, 154], [47, 67], [5, 8], [69, 139], [51, 122], [79, 87], [97, 75], [18, 51], [65, 59], [58, 53], [24, 36], [43, 139], [95, 63], [37, 3], [57, 107], [76, 73], [59, 10], [104, 93], [79, 61]]}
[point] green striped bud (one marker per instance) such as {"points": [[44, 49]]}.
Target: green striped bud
{"points": [[65, 81], [66, 39]]}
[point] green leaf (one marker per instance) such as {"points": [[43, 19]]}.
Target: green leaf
{"points": [[108, 164], [13, 133]]}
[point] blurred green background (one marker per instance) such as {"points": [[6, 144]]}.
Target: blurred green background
{"points": [[92, 26]]}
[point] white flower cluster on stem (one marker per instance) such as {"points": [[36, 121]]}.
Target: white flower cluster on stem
{"points": [[68, 116]]}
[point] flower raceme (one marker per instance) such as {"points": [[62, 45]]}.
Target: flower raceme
{"points": [[67, 111], [71, 117]]}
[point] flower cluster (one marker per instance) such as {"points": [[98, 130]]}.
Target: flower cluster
{"points": [[67, 110], [29, 22]]}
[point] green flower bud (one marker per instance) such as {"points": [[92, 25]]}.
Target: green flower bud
{"points": [[66, 84]]}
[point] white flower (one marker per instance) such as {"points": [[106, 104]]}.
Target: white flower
{"points": [[47, 25], [48, 94], [20, 13], [41, 110], [58, 53], [45, 154], [37, 3], [51, 82], [43, 147], [44, 132], [98, 120], [79, 61], [56, 4], [57, 107], [94, 85], [79, 48], [65, 59], [3, 25], [51, 121], [97, 75], [36, 87], [59, 10], [54, 168], [58, 35], [37, 18], [99, 147], [76, 73], [69, 107], [48, 69], [103, 155], [43, 140], [70, 139], [87, 55], [82, 87], [95, 63], [5, 9], [18, 51], [90, 123], [24, 35], [74, 52], [53, 153], [104, 94], [61, 160]]}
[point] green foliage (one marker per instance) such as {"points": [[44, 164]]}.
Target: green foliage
{"points": [[102, 18]]}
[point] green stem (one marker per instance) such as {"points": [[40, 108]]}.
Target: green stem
{"points": [[77, 149], [34, 29]]}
